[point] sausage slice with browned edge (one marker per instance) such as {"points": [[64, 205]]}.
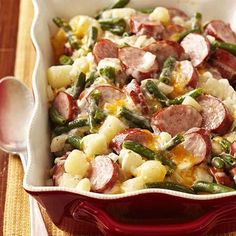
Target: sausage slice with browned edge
{"points": [[141, 25], [173, 12], [135, 134], [197, 141], [136, 94], [221, 30], [197, 47], [105, 48], [164, 49], [176, 119], [225, 63], [65, 105], [133, 60], [104, 173], [216, 117]]}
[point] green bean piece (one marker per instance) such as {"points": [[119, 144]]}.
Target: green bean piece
{"points": [[229, 160], [72, 39], [226, 46], [205, 187], [71, 125], [148, 153], [65, 60], [120, 4], [108, 73], [218, 163], [225, 144], [171, 186], [90, 79], [178, 100], [166, 72], [179, 138], [114, 25], [197, 22], [153, 90], [55, 117], [92, 37], [74, 141], [79, 85], [146, 10], [135, 119]]}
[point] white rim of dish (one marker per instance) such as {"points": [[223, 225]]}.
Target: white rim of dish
{"points": [[37, 189]]}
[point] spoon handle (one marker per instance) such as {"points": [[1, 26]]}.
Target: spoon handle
{"points": [[37, 224]]}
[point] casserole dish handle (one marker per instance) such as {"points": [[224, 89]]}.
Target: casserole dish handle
{"points": [[110, 226]]}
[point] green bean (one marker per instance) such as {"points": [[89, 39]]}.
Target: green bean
{"points": [[74, 141], [79, 85], [135, 119], [197, 22], [179, 138], [226, 46], [225, 144], [218, 163], [92, 37], [171, 186], [71, 125], [178, 100], [65, 60], [153, 90], [108, 73], [120, 4], [148, 153], [55, 117], [166, 72], [229, 160], [114, 25], [146, 10], [90, 79], [72, 39], [206, 187]]}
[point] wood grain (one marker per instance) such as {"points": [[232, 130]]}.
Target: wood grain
{"points": [[9, 12]]}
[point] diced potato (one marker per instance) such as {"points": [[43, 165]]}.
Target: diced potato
{"points": [[160, 14], [152, 171], [60, 76], [58, 43], [84, 185], [129, 161], [124, 13], [148, 61], [163, 138], [50, 93], [81, 24], [58, 143], [192, 102], [201, 174], [110, 62], [94, 144], [80, 65], [133, 184], [67, 180], [166, 89], [111, 127], [76, 163]]}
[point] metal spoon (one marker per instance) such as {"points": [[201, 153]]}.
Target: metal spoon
{"points": [[16, 109]]}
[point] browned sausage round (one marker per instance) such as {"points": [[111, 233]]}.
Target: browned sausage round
{"points": [[216, 117], [164, 49], [177, 12], [65, 105], [136, 94], [104, 173], [233, 148], [225, 63], [197, 47], [221, 30], [137, 135], [221, 177], [105, 48], [133, 59], [141, 25], [176, 119]]}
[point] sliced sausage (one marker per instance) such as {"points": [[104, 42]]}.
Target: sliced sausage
{"points": [[65, 105], [221, 30], [221, 177], [104, 173], [177, 12], [216, 117], [137, 135], [58, 169], [225, 63], [233, 148], [105, 48], [141, 25], [233, 173], [136, 94], [133, 60], [164, 49], [176, 119], [198, 142], [197, 47], [187, 74]]}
